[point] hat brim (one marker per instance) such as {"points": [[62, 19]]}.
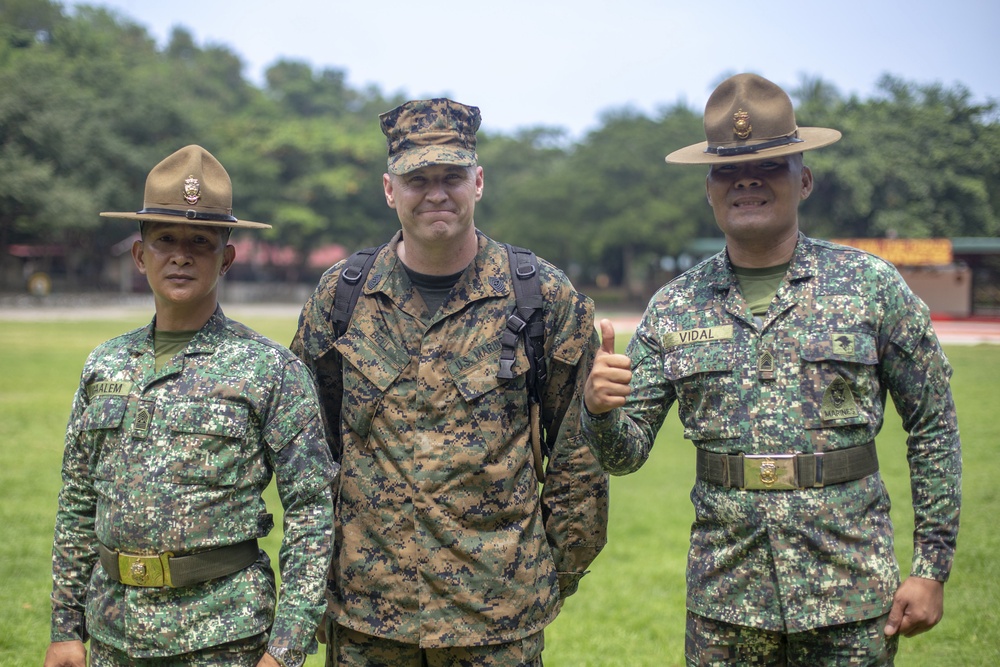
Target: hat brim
{"points": [[812, 138], [179, 219], [424, 156]]}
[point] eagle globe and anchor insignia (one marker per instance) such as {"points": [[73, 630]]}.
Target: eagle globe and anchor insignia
{"points": [[138, 572], [192, 190], [741, 124], [768, 472]]}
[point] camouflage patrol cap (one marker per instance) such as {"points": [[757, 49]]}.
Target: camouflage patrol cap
{"points": [[749, 118], [425, 132], [188, 186]]}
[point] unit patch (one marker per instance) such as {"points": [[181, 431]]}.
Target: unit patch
{"points": [[675, 338], [843, 343], [838, 401]]}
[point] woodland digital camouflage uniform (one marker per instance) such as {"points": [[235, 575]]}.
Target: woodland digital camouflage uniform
{"points": [[176, 460], [843, 330], [441, 536]]}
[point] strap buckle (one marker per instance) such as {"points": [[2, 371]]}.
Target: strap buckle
{"points": [[769, 472], [145, 571]]}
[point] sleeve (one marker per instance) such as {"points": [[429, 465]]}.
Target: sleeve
{"points": [[314, 345], [623, 438], [575, 492], [917, 374], [304, 471], [74, 550]]}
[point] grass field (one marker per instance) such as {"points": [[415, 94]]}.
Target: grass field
{"points": [[630, 609]]}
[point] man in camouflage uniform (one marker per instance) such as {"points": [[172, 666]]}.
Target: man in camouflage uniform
{"points": [[176, 429], [446, 553], [779, 352]]}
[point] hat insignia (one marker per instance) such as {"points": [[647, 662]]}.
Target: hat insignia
{"points": [[192, 190], [741, 124]]}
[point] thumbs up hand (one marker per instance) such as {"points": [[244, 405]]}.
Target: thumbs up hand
{"points": [[608, 382]]}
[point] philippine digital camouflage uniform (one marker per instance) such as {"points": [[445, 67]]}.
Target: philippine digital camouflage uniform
{"points": [[812, 376], [175, 461], [442, 536]]}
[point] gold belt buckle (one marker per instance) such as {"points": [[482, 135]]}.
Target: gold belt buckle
{"points": [[146, 571], [767, 472]]}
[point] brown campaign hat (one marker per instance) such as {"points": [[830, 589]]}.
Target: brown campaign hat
{"points": [[189, 186], [425, 132], [749, 118]]}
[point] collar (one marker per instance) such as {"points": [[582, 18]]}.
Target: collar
{"points": [[802, 265]]}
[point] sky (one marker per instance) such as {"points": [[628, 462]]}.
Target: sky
{"points": [[563, 63]]}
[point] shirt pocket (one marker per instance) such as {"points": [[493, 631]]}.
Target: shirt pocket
{"points": [[370, 368], [708, 398], [100, 429], [207, 442], [839, 379], [495, 409]]}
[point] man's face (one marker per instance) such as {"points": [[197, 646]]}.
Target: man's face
{"points": [[183, 262], [435, 203], [759, 200]]}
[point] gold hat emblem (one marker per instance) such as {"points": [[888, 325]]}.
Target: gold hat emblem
{"points": [[192, 190], [741, 124]]}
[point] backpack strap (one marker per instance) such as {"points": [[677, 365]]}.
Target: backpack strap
{"points": [[349, 286], [526, 323]]}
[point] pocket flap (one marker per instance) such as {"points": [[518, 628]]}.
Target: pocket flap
{"points": [[858, 348], [209, 418], [380, 361]]}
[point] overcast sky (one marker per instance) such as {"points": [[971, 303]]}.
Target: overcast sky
{"points": [[563, 62]]}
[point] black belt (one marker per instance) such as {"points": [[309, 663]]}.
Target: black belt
{"points": [[768, 472], [177, 571]]}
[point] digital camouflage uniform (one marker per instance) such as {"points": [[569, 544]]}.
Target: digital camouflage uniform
{"points": [[176, 460], [843, 329], [441, 534]]}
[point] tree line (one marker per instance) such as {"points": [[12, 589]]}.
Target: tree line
{"points": [[89, 102]]}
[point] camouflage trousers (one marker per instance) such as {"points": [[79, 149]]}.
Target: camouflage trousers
{"points": [[349, 648], [711, 643], [240, 653]]}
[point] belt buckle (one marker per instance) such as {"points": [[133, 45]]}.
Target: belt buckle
{"points": [[145, 571], [769, 472]]}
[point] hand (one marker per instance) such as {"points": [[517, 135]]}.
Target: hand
{"points": [[321, 632], [917, 607], [608, 383], [267, 660], [66, 654]]}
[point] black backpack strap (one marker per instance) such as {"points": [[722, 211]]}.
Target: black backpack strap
{"points": [[526, 323], [349, 285]]}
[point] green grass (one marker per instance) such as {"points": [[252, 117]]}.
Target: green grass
{"points": [[629, 610]]}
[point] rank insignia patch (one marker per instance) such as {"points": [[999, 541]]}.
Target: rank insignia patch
{"points": [[498, 284], [838, 401], [142, 418]]}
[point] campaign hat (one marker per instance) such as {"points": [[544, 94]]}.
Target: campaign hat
{"points": [[750, 118], [188, 186]]}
